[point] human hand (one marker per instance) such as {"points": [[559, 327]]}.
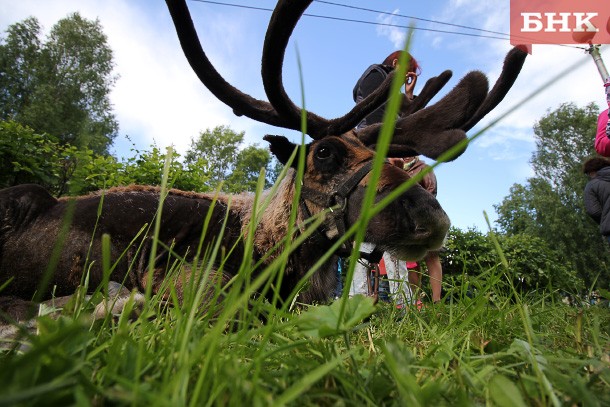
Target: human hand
{"points": [[410, 81]]}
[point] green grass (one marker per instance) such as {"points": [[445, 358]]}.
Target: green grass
{"points": [[491, 349]]}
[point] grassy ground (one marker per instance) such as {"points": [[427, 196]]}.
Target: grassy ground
{"points": [[492, 349]]}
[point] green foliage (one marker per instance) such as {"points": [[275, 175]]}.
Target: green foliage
{"points": [[91, 172], [517, 210], [60, 86], [19, 52], [217, 155], [219, 148], [324, 321], [564, 140], [467, 251], [29, 157], [550, 206], [504, 392], [146, 167], [532, 264], [26, 157], [247, 168], [192, 177]]}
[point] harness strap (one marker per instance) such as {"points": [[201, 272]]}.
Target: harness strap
{"points": [[346, 188], [343, 251], [336, 201]]}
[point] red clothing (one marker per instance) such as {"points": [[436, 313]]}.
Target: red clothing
{"points": [[411, 265], [602, 141], [382, 270]]}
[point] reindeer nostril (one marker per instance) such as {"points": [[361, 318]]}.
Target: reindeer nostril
{"points": [[421, 230]]}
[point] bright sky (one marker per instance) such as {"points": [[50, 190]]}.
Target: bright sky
{"points": [[158, 99]]}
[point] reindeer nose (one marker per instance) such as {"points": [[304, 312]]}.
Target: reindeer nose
{"points": [[426, 218]]}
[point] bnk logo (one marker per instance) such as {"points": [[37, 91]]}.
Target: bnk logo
{"points": [[559, 22]]}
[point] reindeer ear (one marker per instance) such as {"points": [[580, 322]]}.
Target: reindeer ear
{"points": [[281, 148]]}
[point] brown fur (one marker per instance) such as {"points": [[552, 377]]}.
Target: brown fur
{"points": [[30, 218]]}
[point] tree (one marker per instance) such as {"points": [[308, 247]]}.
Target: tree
{"points": [[564, 140], [61, 86], [218, 152], [247, 168], [218, 148], [550, 206], [517, 210], [19, 55]]}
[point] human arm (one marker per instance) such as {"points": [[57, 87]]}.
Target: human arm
{"points": [[602, 139], [593, 205]]}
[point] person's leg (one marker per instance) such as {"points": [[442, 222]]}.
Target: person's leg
{"points": [[384, 288], [340, 274], [414, 278], [397, 274], [435, 270], [359, 283]]}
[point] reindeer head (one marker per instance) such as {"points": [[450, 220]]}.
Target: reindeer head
{"points": [[339, 159]]}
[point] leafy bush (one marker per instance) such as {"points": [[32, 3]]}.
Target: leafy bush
{"points": [[26, 156], [466, 252], [30, 157], [532, 263]]}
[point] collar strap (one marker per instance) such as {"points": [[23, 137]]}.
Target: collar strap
{"points": [[336, 201], [323, 238], [338, 197]]}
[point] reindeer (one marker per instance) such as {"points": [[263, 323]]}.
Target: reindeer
{"points": [[337, 171]]}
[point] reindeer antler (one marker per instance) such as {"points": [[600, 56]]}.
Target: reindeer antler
{"points": [[430, 131], [280, 111], [439, 127]]}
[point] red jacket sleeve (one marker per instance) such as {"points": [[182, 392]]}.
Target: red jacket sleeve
{"points": [[602, 141]]}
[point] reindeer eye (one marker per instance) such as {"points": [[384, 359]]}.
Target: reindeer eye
{"points": [[323, 153], [329, 155]]}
